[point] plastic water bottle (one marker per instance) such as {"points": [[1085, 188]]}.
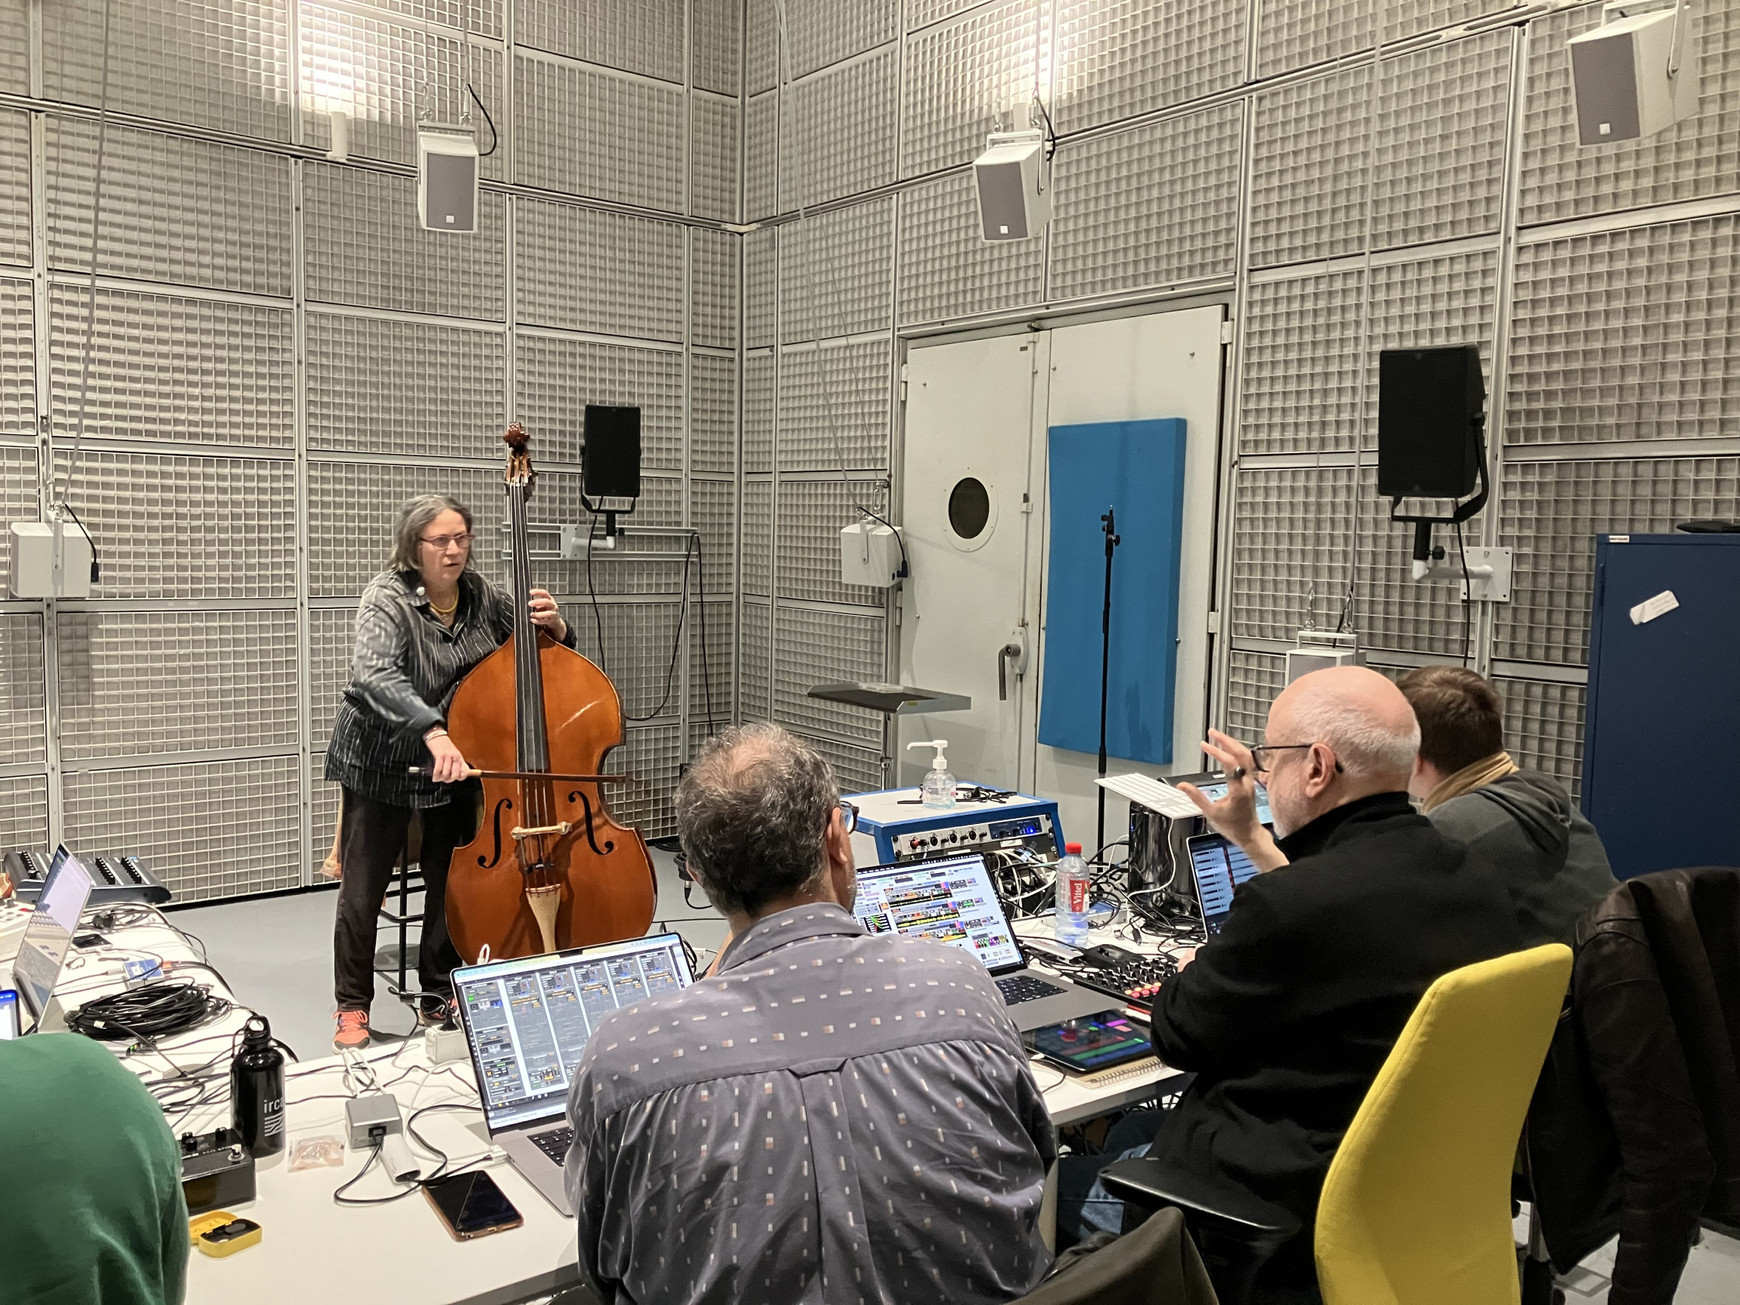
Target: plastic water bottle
{"points": [[1073, 883]]}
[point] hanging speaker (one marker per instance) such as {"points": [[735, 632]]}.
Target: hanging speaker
{"points": [[1636, 74], [1431, 403], [610, 467]]}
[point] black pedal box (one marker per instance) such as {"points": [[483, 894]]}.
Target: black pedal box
{"points": [[216, 1170], [1109, 957]]}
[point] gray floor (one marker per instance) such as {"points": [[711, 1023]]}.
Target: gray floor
{"points": [[277, 956]]}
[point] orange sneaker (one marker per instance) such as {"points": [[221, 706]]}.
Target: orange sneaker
{"points": [[353, 1030]]}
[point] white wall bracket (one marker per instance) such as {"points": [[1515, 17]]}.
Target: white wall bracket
{"points": [[1488, 573]]}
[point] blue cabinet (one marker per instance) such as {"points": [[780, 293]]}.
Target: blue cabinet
{"points": [[1661, 737]]}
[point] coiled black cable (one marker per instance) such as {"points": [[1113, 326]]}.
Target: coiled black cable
{"points": [[148, 1012]]}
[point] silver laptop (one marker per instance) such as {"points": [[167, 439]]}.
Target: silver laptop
{"points": [[48, 936], [528, 1020], [952, 901]]}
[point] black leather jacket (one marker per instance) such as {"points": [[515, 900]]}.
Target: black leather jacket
{"points": [[1635, 1127]]}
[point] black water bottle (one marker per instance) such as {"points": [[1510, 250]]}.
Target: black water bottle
{"points": [[257, 1089]]}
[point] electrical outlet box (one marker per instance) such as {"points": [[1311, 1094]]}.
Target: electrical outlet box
{"points": [[33, 560], [372, 1114], [870, 555]]}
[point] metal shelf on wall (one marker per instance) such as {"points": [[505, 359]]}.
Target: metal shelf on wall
{"points": [[577, 544]]}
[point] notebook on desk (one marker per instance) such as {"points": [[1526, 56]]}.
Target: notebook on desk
{"points": [[526, 1022]]}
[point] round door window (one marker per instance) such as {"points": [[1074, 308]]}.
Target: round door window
{"points": [[972, 513]]}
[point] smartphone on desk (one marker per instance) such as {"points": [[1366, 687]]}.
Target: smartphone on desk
{"points": [[471, 1205]]}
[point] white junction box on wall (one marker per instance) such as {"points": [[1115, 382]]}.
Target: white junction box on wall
{"points": [[870, 555], [33, 560]]}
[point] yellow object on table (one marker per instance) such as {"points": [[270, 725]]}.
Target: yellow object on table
{"points": [[217, 1234]]}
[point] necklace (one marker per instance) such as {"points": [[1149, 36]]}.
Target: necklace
{"points": [[445, 611]]}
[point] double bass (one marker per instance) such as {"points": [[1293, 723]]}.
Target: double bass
{"points": [[548, 868]]}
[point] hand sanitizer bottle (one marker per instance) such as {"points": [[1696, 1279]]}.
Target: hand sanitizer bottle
{"points": [[938, 789]]}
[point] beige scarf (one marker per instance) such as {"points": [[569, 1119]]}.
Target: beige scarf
{"points": [[1475, 775]]}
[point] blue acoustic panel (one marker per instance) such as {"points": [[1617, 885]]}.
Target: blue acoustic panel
{"points": [[1137, 468]]}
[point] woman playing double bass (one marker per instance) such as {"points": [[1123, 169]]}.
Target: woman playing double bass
{"points": [[423, 623]]}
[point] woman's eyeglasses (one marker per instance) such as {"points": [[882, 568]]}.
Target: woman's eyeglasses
{"points": [[440, 543]]}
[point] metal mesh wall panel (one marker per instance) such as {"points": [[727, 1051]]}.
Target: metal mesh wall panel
{"points": [[135, 683], [713, 289], [1148, 207], [24, 811], [1440, 142], [834, 272], [387, 76], [638, 643], [755, 663], [383, 386], [1297, 33], [23, 689], [1700, 156], [758, 413], [212, 829], [18, 494], [858, 769], [807, 549], [1446, 299], [761, 156], [757, 537], [817, 647], [715, 41], [1552, 513], [1543, 727], [592, 270], [479, 17], [843, 422], [761, 46], [1253, 680], [223, 65], [946, 270], [15, 188], [960, 78], [1308, 178], [1659, 363], [713, 157], [634, 133], [323, 812], [1411, 17], [17, 360], [331, 641], [712, 413], [652, 754], [760, 287], [825, 31], [639, 566], [188, 527], [644, 36], [713, 514], [557, 377], [15, 55], [708, 716], [1290, 534], [1124, 57], [1300, 379], [170, 368], [1391, 609], [364, 246], [839, 132], [921, 13], [173, 209]]}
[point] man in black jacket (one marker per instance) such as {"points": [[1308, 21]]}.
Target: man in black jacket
{"points": [[1288, 1013]]}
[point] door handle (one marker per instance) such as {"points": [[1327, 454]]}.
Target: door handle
{"points": [[1004, 653]]}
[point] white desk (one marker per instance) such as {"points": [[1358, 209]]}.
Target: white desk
{"points": [[313, 1250]]}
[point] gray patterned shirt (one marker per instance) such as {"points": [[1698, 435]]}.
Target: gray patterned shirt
{"points": [[835, 1117], [404, 673]]}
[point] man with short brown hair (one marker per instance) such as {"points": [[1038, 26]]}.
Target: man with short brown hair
{"points": [[1523, 822]]}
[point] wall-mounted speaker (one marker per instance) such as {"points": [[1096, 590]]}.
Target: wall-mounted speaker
{"points": [[1629, 79], [447, 163], [1014, 184], [610, 466], [1431, 405]]}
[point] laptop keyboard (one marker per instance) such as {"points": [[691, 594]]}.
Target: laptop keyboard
{"points": [[1017, 988], [555, 1142]]}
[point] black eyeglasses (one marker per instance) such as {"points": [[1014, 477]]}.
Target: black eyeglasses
{"points": [[849, 816], [1259, 766]]}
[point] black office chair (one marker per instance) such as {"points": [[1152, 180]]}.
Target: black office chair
{"points": [[1235, 1233]]}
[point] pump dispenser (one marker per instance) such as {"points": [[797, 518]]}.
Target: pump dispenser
{"points": [[938, 789]]}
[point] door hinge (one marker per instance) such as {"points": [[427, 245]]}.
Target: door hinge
{"points": [[905, 371], [1226, 331]]}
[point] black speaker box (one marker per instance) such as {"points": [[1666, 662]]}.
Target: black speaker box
{"points": [[1430, 407], [610, 467]]}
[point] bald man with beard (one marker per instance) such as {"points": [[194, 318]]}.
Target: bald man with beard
{"points": [[1288, 1013]]}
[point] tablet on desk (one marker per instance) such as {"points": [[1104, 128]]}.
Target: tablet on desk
{"points": [[1092, 1043]]}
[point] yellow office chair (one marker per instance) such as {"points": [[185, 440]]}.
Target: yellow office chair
{"points": [[1416, 1207]]}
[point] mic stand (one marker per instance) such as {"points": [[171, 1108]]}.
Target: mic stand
{"points": [[1109, 526]]}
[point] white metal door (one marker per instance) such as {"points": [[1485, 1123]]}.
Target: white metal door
{"points": [[967, 510]]}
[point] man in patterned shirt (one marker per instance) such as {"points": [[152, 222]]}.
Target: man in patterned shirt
{"points": [[831, 1116]]}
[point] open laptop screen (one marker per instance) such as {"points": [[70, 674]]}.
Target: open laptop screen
{"points": [[1219, 867], [950, 900], [48, 936], [528, 1020]]}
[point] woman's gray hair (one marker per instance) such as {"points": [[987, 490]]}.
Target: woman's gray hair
{"points": [[414, 518], [752, 815]]}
